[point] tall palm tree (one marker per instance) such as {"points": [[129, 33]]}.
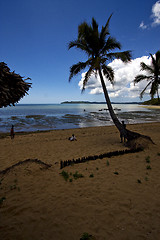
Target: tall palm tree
{"points": [[99, 47], [12, 86], [153, 76]]}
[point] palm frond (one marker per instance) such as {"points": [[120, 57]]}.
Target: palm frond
{"points": [[12, 86], [79, 44], [142, 93], [145, 67], [86, 78], [109, 73], [94, 25], [105, 29], [110, 44], [124, 56], [141, 77], [76, 68], [83, 30], [158, 60]]}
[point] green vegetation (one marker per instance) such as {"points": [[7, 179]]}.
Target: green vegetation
{"points": [[146, 178], [65, 175], [108, 163], [77, 175], [152, 77], [86, 236], [148, 159], [154, 102], [148, 167], [13, 87]]}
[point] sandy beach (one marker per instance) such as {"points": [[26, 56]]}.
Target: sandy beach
{"points": [[111, 198]]}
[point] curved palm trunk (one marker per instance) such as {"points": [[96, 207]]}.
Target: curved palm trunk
{"points": [[129, 135], [110, 108]]}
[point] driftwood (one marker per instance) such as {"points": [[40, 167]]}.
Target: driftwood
{"points": [[23, 162], [101, 156]]}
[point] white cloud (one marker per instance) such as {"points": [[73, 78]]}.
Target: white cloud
{"points": [[156, 13], [155, 16], [142, 25], [124, 87]]}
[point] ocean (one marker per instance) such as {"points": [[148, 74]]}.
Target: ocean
{"points": [[39, 117]]}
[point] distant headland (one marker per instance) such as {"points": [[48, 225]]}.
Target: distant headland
{"points": [[154, 102], [88, 102]]}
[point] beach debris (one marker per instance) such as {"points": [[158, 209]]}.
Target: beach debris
{"points": [[23, 162], [101, 156]]}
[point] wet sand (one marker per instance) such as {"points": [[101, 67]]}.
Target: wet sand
{"points": [[117, 197]]}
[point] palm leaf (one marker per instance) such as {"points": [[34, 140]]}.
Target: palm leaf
{"points": [[12, 86], [76, 68], [109, 73], [105, 29], [142, 93], [141, 77], [80, 45], [124, 56], [86, 78], [145, 67]]}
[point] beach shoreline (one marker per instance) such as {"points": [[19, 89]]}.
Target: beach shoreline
{"points": [[150, 106], [115, 198]]}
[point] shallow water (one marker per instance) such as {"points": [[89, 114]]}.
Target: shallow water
{"points": [[34, 117]]}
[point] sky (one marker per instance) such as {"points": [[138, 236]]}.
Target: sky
{"points": [[34, 37]]}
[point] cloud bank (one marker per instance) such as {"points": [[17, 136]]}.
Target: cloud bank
{"points": [[124, 87], [156, 13], [155, 16]]}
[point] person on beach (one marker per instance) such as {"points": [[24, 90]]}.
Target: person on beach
{"points": [[12, 132], [123, 139], [73, 138]]}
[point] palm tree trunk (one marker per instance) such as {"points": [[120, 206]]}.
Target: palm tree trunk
{"points": [[110, 108], [127, 134]]}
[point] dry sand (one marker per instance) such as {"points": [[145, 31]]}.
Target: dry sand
{"points": [[40, 205]]}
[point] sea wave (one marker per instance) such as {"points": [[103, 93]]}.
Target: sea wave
{"points": [[37, 117]]}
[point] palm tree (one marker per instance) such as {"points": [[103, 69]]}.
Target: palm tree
{"points": [[12, 86], [99, 47], [153, 76]]}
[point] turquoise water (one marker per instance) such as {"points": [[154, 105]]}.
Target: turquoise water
{"points": [[33, 117]]}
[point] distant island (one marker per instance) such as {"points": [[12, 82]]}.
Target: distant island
{"points": [[154, 102], [87, 102]]}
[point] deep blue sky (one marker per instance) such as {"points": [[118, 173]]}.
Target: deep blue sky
{"points": [[34, 35]]}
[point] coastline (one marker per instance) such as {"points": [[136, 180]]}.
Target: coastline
{"points": [[150, 106], [117, 198], [66, 116]]}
